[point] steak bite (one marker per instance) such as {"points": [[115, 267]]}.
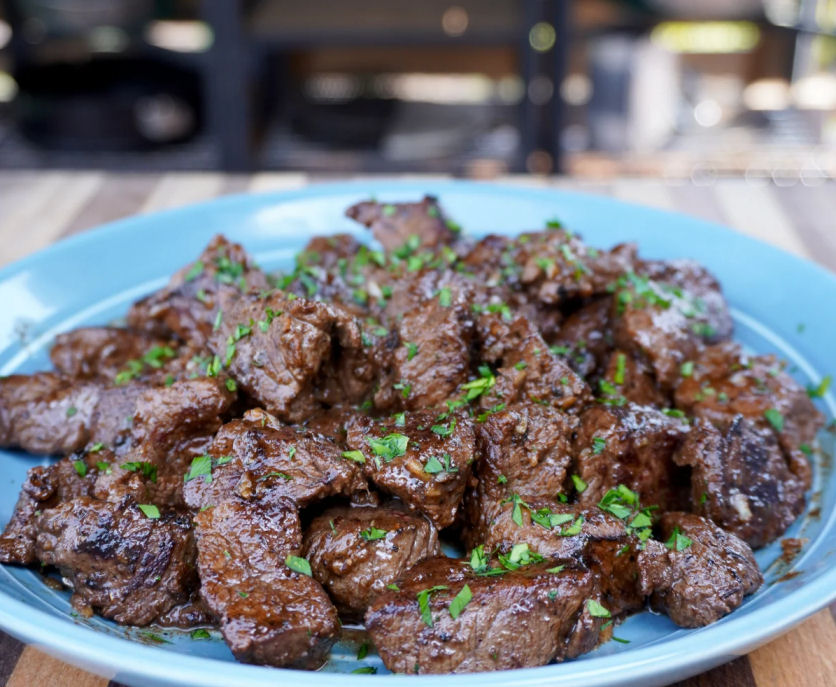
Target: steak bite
{"points": [[258, 458], [356, 552], [743, 481], [705, 572], [585, 337], [46, 487], [533, 374], [394, 224], [103, 352], [274, 347], [725, 382], [120, 562], [171, 426], [188, 306], [269, 613], [424, 461], [668, 321], [630, 445], [629, 376], [526, 450], [51, 413], [445, 618]]}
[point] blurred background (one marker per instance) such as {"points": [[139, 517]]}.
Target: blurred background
{"points": [[480, 88]]}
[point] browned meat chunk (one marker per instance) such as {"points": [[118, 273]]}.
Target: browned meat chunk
{"points": [[424, 461], [725, 382], [46, 487], [356, 552], [172, 425], [667, 321], [274, 347], [630, 445], [258, 458], [52, 413], [523, 618], [499, 333], [188, 306], [585, 337], [743, 480], [120, 562], [526, 450], [394, 224], [533, 374], [104, 352], [269, 613], [705, 572], [629, 377]]}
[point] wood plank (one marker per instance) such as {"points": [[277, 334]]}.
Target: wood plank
{"points": [[737, 673], [37, 669], [43, 210], [754, 210], [10, 651], [119, 196], [178, 189], [804, 657]]}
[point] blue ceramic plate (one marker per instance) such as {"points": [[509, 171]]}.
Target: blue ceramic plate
{"points": [[780, 303]]}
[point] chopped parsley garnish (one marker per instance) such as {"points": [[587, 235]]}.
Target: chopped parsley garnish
{"points": [[596, 610], [498, 408], [373, 533], [194, 271], [411, 350], [774, 418], [201, 467], [365, 670], [101, 466], [598, 445], [72, 410], [502, 479], [200, 634], [444, 431], [363, 651], [424, 603], [520, 365], [231, 385], [459, 602], [154, 358], [149, 511], [389, 447], [678, 541], [516, 514], [673, 412], [611, 395], [218, 320], [434, 465], [580, 485], [298, 564], [80, 467], [356, 456], [820, 390], [403, 387], [545, 518], [393, 587], [687, 368], [95, 448], [620, 366], [148, 470], [519, 556], [556, 569], [477, 387], [445, 297]]}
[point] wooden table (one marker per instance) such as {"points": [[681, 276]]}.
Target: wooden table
{"points": [[37, 208]]}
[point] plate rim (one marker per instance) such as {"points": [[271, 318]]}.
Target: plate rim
{"points": [[671, 659]]}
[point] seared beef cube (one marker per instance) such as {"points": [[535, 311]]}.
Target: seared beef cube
{"points": [[274, 347], [50, 413], [668, 321], [103, 352], [526, 450], [355, 552], [269, 613], [580, 538], [743, 481], [698, 284], [500, 333], [421, 459], [630, 445], [702, 575], [188, 615], [533, 374], [725, 382], [258, 458], [121, 562], [46, 487], [556, 265], [172, 425], [630, 377], [188, 306], [393, 224], [523, 618], [585, 337], [434, 353]]}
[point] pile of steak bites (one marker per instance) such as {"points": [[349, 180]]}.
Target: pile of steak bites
{"points": [[275, 455]]}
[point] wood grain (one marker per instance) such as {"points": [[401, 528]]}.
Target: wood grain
{"points": [[38, 208]]}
